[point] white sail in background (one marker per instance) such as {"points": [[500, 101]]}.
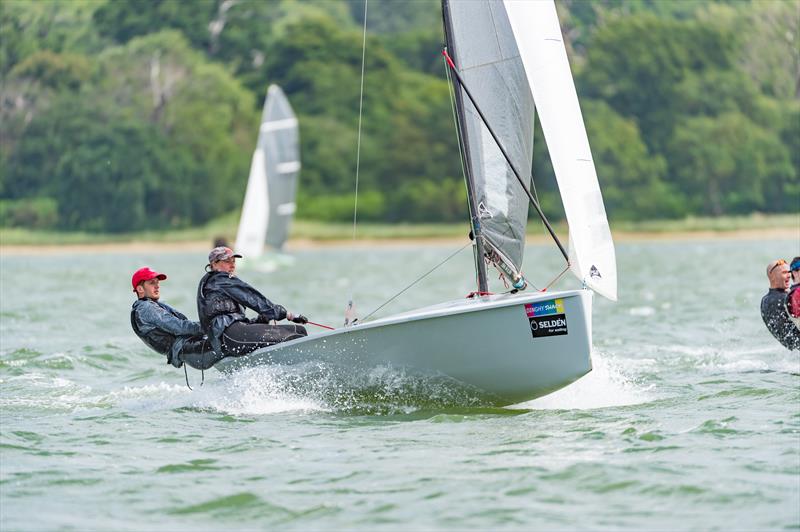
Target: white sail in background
{"points": [[255, 211], [271, 188], [541, 46]]}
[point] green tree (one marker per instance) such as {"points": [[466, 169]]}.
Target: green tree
{"points": [[726, 165], [636, 64], [58, 26], [97, 164], [768, 33], [631, 178], [196, 105], [421, 158], [60, 72], [123, 20]]}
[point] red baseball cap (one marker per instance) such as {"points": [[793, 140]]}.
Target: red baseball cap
{"points": [[145, 274]]}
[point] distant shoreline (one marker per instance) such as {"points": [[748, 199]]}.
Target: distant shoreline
{"points": [[298, 244]]}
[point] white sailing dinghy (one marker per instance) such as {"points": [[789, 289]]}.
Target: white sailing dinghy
{"points": [[516, 346], [269, 201]]}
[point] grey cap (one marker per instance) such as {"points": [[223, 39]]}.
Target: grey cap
{"points": [[221, 253]]}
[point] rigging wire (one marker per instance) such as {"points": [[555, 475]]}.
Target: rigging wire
{"points": [[451, 87], [349, 309], [418, 279], [360, 109], [459, 141]]}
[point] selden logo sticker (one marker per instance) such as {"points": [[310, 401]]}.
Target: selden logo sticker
{"points": [[545, 308], [554, 325]]}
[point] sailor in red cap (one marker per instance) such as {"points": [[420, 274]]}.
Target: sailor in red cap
{"points": [[164, 329]]}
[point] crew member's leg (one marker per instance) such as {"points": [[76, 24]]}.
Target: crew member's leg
{"points": [[241, 338]]}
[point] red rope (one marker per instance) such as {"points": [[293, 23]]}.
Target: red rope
{"points": [[320, 325], [557, 277], [449, 61], [479, 294]]}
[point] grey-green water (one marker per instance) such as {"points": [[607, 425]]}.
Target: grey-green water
{"points": [[690, 420]]}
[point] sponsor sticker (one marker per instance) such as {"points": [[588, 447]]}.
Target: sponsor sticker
{"points": [[545, 308], [553, 325], [547, 318]]}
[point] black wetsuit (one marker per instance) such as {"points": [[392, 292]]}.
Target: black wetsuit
{"points": [[776, 318], [167, 331], [221, 302]]}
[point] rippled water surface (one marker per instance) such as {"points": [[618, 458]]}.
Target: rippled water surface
{"points": [[690, 419]]}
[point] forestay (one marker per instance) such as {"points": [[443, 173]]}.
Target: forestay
{"points": [[486, 57], [538, 35], [269, 199]]}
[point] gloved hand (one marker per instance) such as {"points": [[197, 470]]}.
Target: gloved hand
{"points": [[261, 318], [297, 318]]}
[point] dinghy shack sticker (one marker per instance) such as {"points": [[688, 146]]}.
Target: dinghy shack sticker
{"points": [[547, 318]]}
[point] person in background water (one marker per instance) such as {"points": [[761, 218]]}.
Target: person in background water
{"points": [[221, 301], [164, 329], [793, 299], [773, 306]]}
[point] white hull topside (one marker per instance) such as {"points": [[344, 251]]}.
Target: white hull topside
{"points": [[487, 343]]}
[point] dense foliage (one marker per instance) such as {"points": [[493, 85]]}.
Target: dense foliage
{"points": [[125, 115]]}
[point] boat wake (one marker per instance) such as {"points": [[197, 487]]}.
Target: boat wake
{"points": [[298, 388], [605, 386], [315, 386]]}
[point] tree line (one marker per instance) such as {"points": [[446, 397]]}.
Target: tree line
{"points": [[125, 115]]}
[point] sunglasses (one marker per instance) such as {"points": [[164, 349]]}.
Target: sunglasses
{"points": [[780, 262]]}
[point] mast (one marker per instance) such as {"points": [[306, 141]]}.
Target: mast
{"points": [[475, 221]]}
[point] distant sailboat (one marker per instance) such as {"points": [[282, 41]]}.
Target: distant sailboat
{"points": [[269, 200], [514, 346]]}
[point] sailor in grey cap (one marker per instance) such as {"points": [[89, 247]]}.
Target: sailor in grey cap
{"points": [[221, 301], [223, 254]]}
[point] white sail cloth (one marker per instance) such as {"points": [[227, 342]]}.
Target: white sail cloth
{"points": [[541, 47]]}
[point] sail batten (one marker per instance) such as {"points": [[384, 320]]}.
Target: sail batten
{"points": [[275, 125]]}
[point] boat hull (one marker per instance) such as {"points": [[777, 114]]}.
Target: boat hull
{"points": [[513, 348]]}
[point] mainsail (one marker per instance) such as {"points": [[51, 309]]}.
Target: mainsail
{"points": [[271, 187], [538, 35], [485, 54]]}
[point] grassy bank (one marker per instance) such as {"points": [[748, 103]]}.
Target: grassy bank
{"points": [[326, 231]]}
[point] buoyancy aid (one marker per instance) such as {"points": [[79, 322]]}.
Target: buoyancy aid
{"points": [[157, 340], [212, 303]]}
